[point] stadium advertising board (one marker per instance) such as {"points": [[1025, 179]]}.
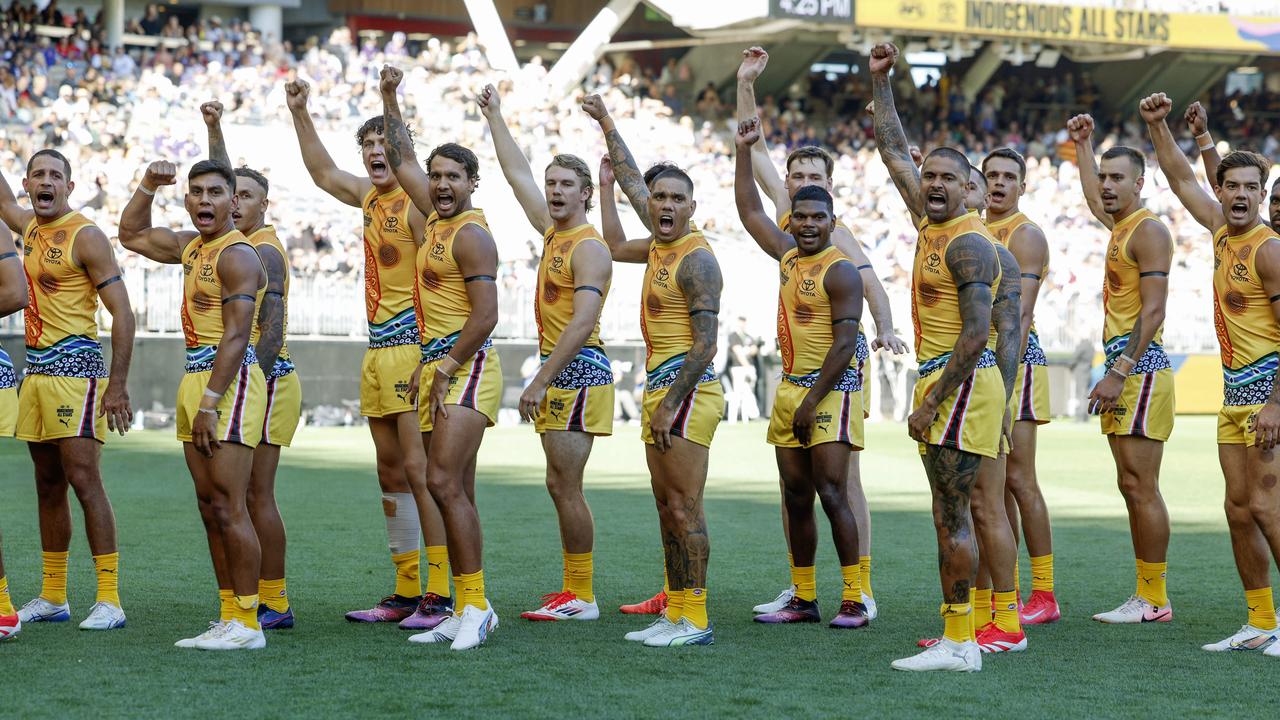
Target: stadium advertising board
{"points": [[1074, 24], [824, 11]]}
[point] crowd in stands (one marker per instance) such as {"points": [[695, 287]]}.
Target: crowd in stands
{"points": [[113, 113]]}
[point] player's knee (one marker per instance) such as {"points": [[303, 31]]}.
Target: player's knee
{"points": [[1239, 513], [1265, 512], [442, 485], [562, 490], [1132, 486], [832, 497], [415, 472]]}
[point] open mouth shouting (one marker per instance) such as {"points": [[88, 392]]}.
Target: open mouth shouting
{"points": [[936, 201], [378, 167], [556, 205], [43, 199], [998, 196], [204, 219], [444, 201], [1238, 210]]}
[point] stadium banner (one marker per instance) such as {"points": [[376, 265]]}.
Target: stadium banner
{"points": [[822, 11], [1073, 24]]}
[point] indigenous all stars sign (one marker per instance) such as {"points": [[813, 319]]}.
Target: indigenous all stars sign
{"points": [[1067, 23]]}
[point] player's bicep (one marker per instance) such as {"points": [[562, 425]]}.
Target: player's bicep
{"points": [[843, 284], [274, 264], [700, 280]]}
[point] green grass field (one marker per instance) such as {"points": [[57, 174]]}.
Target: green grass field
{"points": [[338, 561]]}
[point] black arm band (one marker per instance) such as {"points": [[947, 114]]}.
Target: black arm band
{"points": [[486, 278], [8, 255], [842, 321], [277, 293], [864, 267], [975, 282], [589, 288], [695, 313], [109, 281], [241, 296], [1274, 298], [1154, 273], [1031, 276], [1006, 297]]}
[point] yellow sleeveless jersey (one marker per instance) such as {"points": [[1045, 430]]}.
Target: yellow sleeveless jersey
{"points": [[862, 350], [202, 300], [935, 297], [440, 293], [553, 305], [1002, 230], [1121, 299], [389, 248], [804, 318], [664, 311], [266, 235], [1248, 334], [61, 327]]}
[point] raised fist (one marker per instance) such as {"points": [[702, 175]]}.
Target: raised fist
{"points": [[160, 172], [1197, 119], [606, 172], [212, 113], [1080, 128], [389, 79], [748, 133], [1155, 108], [917, 157], [295, 94], [594, 106], [754, 59], [489, 102], [883, 56]]}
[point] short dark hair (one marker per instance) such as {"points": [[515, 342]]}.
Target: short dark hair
{"points": [[955, 155], [973, 170], [1241, 159], [212, 167], [1135, 156], [579, 168], [53, 154], [814, 193], [373, 124], [664, 170], [458, 154], [255, 176], [812, 152], [1007, 154]]}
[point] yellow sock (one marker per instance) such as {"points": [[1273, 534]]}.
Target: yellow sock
{"points": [[107, 568], [982, 608], [1262, 609], [666, 581], [972, 617], [6, 605], [851, 575], [408, 583], [1153, 583], [438, 570], [226, 604], [1006, 615], [471, 590], [54, 587], [675, 605], [1137, 584], [1017, 577], [1042, 573], [864, 568], [695, 607], [955, 622], [245, 609], [804, 578], [578, 571], [274, 595]]}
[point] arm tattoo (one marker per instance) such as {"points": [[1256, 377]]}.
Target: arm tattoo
{"points": [[628, 174], [699, 279], [891, 141], [1006, 314], [397, 140], [218, 147], [271, 311], [970, 259]]}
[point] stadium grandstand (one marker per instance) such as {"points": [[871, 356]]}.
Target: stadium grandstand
{"points": [[117, 84]]}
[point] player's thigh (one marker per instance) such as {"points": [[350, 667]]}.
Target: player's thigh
{"points": [[1139, 457], [1236, 466], [682, 468], [830, 463], [455, 440], [1264, 489], [80, 458], [567, 453], [794, 469], [47, 460], [262, 480], [386, 440], [230, 469], [1022, 458]]}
